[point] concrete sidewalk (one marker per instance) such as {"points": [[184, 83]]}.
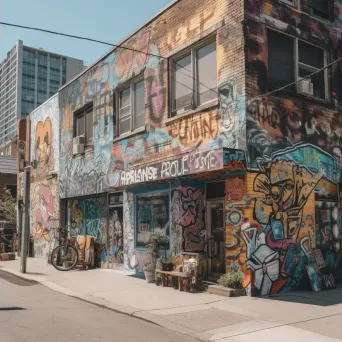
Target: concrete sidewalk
{"points": [[301, 316]]}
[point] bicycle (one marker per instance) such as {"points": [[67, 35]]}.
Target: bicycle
{"points": [[65, 256]]}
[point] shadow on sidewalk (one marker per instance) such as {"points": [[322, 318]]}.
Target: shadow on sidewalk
{"points": [[322, 298]]}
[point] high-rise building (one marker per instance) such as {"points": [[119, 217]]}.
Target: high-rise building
{"points": [[28, 77]]}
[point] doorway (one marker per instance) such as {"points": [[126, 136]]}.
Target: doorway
{"points": [[216, 238], [115, 231]]}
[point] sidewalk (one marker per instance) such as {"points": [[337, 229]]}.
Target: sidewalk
{"points": [[301, 316]]}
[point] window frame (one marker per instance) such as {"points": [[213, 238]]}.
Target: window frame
{"points": [[297, 63], [297, 5], [166, 192], [192, 50], [131, 86], [83, 112]]}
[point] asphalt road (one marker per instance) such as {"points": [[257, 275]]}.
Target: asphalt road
{"points": [[32, 312]]}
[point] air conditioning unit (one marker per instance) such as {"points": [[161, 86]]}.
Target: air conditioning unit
{"points": [[78, 145], [80, 140], [305, 86], [78, 149]]}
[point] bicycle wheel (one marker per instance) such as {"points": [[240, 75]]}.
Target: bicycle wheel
{"points": [[64, 257]]}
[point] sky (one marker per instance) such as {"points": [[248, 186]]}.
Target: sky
{"points": [[106, 20]]}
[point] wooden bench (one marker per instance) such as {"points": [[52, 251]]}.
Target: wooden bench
{"points": [[183, 279]]}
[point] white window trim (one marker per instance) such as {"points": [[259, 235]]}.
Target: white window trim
{"points": [[194, 67], [294, 3], [131, 86], [297, 64]]}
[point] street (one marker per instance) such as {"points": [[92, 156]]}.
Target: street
{"points": [[32, 312]]}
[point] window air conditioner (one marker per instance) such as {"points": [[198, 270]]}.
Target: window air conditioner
{"points": [[78, 145], [305, 86]]}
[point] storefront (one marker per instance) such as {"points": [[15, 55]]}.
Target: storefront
{"points": [[185, 199]]}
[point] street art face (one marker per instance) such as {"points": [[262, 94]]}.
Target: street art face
{"points": [[44, 138], [43, 142], [44, 193], [286, 187], [278, 241]]}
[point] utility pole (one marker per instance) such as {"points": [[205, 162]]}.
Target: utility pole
{"points": [[25, 230]]}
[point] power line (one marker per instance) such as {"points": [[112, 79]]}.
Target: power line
{"points": [[159, 56]]}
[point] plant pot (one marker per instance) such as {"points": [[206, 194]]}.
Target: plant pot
{"points": [[149, 276]]}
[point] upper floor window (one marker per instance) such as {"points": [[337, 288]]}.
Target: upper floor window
{"points": [[132, 107], [84, 124], [194, 78], [291, 59], [320, 8]]}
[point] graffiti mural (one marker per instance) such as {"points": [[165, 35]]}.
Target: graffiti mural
{"points": [[274, 235], [88, 217], [45, 139], [44, 215], [188, 219], [44, 194]]}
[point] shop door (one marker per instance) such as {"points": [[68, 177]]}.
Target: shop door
{"points": [[116, 235], [216, 239]]}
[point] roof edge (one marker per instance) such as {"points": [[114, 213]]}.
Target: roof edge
{"points": [[173, 2]]}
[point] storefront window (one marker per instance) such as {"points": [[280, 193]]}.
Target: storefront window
{"points": [[152, 214]]}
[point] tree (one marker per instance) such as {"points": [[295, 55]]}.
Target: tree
{"points": [[8, 207]]}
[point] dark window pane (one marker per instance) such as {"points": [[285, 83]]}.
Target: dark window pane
{"points": [[310, 55], [139, 103], [80, 125], [183, 83], [321, 8], [280, 59], [207, 73], [152, 214], [89, 125]]}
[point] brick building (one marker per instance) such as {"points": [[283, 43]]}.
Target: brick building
{"points": [[180, 137]]}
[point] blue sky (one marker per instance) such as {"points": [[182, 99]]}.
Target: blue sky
{"points": [[107, 20]]}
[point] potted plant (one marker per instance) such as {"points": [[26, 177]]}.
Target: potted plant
{"points": [[231, 285], [149, 271], [156, 240]]}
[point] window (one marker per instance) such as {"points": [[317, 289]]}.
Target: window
{"points": [[132, 107], [152, 214], [320, 8], [84, 124], [291, 59], [194, 78]]}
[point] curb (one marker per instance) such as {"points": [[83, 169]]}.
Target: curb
{"points": [[102, 303]]}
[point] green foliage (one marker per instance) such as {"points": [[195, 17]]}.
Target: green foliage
{"points": [[232, 280], [8, 207], [149, 268], [156, 240]]}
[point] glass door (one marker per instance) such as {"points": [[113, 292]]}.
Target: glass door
{"points": [[216, 239]]}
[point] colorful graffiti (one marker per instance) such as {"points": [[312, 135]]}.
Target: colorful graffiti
{"points": [[188, 219], [279, 235], [88, 217], [44, 216], [44, 194], [195, 130]]}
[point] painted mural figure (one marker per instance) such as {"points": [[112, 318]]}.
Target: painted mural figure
{"points": [[274, 253]]}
